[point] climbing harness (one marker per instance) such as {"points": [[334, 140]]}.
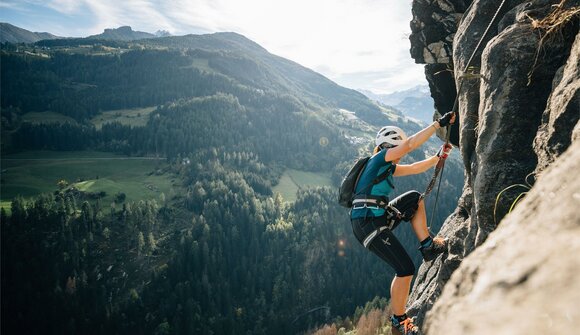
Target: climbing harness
{"points": [[379, 203], [392, 214], [441, 163]]}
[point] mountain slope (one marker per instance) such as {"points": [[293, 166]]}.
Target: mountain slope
{"points": [[12, 34], [415, 102], [219, 253], [269, 69], [395, 98]]}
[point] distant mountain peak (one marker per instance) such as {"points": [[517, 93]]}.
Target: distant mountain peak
{"points": [[415, 102], [162, 33], [123, 33], [122, 29]]}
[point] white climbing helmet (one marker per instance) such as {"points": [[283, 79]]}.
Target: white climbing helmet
{"points": [[391, 135]]}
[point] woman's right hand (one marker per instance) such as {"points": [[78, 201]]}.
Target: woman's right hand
{"points": [[446, 119], [444, 151]]}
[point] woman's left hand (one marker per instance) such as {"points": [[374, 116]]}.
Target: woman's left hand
{"points": [[445, 120]]}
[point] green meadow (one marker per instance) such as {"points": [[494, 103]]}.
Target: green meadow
{"points": [[31, 173], [136, 117], [202, 64], [46, 117], [292, 180]]}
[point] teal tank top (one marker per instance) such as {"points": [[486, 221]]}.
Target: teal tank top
{"points": [[375, 166]]}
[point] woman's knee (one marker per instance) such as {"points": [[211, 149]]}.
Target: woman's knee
{"points": [[405, 277], [416, 196], [406, 270], [409, 204]]}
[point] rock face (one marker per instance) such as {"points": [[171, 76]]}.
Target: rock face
{"points": [[433, 28], [432, 31], [524, 278], [519, 113], [562, 111]]}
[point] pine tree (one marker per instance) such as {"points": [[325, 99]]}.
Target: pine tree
{"points": [[3, 216], [140, 243], [151, 244]]}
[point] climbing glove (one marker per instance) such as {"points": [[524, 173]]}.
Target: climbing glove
{"points": [[444, 151], [445, 120]]}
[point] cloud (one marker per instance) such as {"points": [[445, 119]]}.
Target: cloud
{"points": [[339, 38], [9, 5], [65, 6], [383, 81]]}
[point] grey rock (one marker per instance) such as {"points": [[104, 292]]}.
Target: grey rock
{"points": [[562, 112], [516, 118], [523, 279], [433, 28], [576, 133], [433, 25], [442, 87]]}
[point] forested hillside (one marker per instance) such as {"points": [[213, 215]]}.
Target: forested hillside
{"points": [[223, 254], [13, 34]]}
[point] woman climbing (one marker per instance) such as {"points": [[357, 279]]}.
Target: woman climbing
{"points": [[373, 217]]}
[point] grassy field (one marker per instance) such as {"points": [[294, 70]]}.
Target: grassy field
{"points": [[136, 117], [200, 63], [31, 173], [292, 180], [46, 117]]}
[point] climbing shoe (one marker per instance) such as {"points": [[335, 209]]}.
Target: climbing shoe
{"points": [[438, 246], [405, 327]]}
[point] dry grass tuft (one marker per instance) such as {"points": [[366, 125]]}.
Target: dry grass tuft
{"points": [[551, 26], [557, 18]]}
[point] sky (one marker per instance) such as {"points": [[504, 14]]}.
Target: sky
{"points": [[359, 44]]}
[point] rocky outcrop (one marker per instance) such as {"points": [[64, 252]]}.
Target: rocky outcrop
{"points": [[432, 31], [124, 33], [524, 278], [555, 133], [519, 112], [433, 28]]}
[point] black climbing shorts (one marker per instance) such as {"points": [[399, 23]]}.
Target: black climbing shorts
{"points": [[372, 231]]}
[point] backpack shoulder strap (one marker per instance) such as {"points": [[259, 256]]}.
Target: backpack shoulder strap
{"points": [[364, 165], [389, 171], [378, 178]]}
